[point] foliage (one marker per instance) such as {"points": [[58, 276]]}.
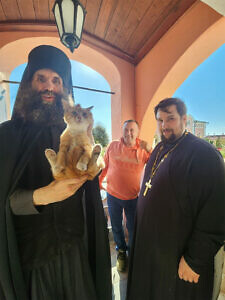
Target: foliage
{"points": [[208, 140], [223, 153], [218, 143], [100, 135]]}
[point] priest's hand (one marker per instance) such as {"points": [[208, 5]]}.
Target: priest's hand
{"points": [[186, 273], [145, 145], [57, 191]]}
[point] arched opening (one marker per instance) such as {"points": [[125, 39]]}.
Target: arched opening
{"points": [[82, 76], [118, 73], [192, 56], [203, 93]]}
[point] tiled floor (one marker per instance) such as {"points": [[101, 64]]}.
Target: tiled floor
{"points": [[119, 280]]}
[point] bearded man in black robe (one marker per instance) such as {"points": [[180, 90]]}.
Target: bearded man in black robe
{"points": [[54, 242], [180, 215]]}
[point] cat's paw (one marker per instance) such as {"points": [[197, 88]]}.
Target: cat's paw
{"points": [[81, 166], [50, 154]]}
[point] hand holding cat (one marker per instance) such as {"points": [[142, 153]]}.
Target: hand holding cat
{"points": [[57, 191]]}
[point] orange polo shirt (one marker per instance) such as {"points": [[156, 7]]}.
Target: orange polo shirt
{"points": [[123, 169]]}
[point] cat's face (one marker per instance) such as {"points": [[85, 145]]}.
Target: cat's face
{"points": [[78, 117]]}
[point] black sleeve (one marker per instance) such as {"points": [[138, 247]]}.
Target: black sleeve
{"points": [[206, 189], [21, 202]]}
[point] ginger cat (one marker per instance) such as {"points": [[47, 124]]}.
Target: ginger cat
{"points": [[76, 156]]}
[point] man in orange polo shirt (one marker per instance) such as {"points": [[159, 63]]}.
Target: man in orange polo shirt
{"points": [[124, 163]]}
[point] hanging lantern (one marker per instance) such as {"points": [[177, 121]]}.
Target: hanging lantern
{"points": [[69, 17]]}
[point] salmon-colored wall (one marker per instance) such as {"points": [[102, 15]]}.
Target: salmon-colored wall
{"points": [[118, 72], [196, 35]]}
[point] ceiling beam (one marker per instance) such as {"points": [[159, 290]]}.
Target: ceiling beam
{"points": [[51, 27]]}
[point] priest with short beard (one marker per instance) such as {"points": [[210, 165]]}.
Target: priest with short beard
{"points": [[180, 215], [54, 242]]}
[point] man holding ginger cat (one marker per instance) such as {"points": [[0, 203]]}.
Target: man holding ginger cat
{"points": [[54, 233]]}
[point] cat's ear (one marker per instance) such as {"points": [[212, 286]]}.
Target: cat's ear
{"points": [[89, 108], [71, 100], [66, 104]]}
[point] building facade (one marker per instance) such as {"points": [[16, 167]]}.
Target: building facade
{"points": [[196, 127]]}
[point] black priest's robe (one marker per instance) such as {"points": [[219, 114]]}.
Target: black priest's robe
{"points": [[182, 214], [73, 229]]}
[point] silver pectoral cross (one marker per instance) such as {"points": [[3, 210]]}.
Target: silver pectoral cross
{"points": [[148, 186]]}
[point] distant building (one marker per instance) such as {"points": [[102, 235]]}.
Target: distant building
{"points": [[196, 127], [199, 128]]}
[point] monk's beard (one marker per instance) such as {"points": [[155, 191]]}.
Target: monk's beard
{"points": [[30, 107]]}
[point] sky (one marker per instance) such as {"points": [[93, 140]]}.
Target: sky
{"points": [[203, 92]]}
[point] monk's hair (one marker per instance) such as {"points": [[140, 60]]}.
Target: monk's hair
{"points": [[165, 103], [130, 121]]}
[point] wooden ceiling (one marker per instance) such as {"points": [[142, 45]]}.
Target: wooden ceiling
{"points": [[127, 28]]}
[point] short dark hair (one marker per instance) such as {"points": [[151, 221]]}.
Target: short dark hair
{"points": [[130, 121], [163, 105]]}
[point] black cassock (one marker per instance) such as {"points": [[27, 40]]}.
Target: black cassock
{"points": [[64, 245], [181, 215]]}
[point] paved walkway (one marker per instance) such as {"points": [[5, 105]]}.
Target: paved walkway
{"points": [[119, 279]]}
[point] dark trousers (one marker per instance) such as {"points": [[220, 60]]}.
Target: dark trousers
{"points": [[115, 208]]}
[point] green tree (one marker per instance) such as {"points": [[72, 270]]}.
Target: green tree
{"points": [[208, 140], [218, 143], [100, 135]]}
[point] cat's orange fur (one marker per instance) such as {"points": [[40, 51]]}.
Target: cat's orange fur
{"points": [[76, 156]]}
